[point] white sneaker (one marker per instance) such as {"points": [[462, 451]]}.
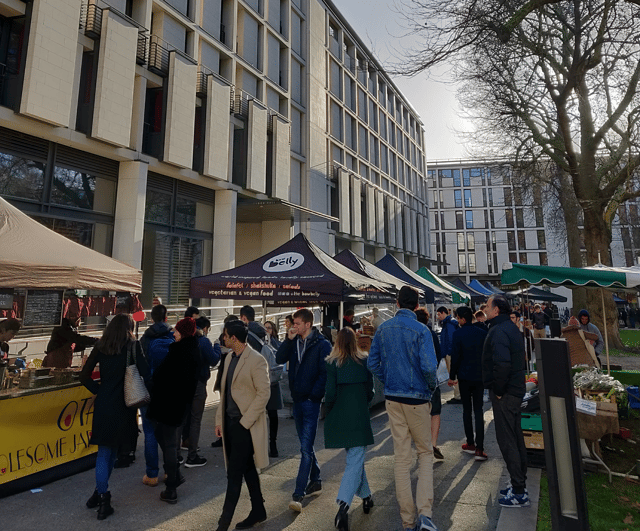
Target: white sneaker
{"points": [[296, 504]]}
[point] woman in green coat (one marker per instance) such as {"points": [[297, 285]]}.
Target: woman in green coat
{"points": [[347, 424]]}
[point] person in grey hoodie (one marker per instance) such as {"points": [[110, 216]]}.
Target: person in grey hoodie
{"points": [[588, 326]]}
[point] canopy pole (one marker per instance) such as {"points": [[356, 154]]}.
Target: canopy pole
{"points": [[264, 312], [606, 336], [340, 315]]}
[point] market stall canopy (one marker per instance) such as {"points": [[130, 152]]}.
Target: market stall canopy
{"points": [[492, 288], [351, 260], [480, 288], [35, 257], [297, 272], [458, 296], [476, 296], [594, 276], [537, 294], [391, 265]]}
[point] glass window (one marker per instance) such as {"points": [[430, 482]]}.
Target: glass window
{"points": [[520, 218], [76, 231], [507, 197], [81, 190], [489, 268], [469, 219], [462, 263], [185, 213], [461, 241], [467, 198], [513, 257], [539, 217], [458, 198], [456, 177], [471, 242], [442, 221], [466, 177], [490, 197], [472, 262], [522, 240], [484, 197], [523, 258], [509, 217], [543, 259], [158, 207], [459, 220], [435, 221], [511, 241], [486, 218], [493, 221], [542, 244], [21, 177]]}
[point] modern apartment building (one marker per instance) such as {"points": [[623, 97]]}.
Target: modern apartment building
{"points": [[481, 218], [187, 136]]}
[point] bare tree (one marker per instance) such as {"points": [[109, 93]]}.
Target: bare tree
{"points": [[548, 79]]}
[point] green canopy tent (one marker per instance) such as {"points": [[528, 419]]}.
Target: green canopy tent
{"points": [[597, 276], [458, 296]]}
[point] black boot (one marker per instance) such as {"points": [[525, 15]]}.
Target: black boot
{"points": [[367, 503], [342, 518], [256, 516], [105, 509], [273, 449], [169, 495], [94, 501]]}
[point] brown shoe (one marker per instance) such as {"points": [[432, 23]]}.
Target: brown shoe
{"points": [[151, 482]]}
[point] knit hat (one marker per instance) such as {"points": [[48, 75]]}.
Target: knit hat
{"points": [[186, 327]]}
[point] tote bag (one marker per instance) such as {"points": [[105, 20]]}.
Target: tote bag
{"points": [[135, 392]]}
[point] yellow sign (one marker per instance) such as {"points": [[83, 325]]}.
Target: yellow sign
{"points": [[44, 430]]}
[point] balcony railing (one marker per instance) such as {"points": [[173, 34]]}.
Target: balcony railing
{"points": [[91, 20], [158, 56]]}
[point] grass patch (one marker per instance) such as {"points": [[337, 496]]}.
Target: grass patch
{"points": [[630, 338], [611, 507]]}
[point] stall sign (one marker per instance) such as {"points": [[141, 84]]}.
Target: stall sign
{"points": [[6, 299], [44, 430], [43, 307]]}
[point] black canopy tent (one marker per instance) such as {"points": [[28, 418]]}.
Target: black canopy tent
{"points": [[476, 296], [349, 259], [536, 294], [391, 265], [296, 273]]}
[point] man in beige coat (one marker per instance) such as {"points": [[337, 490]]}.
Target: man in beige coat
{"points": [[241, 422]]}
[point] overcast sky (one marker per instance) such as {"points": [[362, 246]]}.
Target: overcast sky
{"points": [[379, 27]]}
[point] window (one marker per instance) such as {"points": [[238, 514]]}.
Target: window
{"points": [[469, 219], [456, 177], [509, 217], [539, 217], [442, 221], [486, 219], [489, 268], [462, 263], [435, 199], [520, 218], [461, 241], [507, 197], [490, 197], [20, 177], [471, 242], [542, 244], [513, 257], [472, 262], [484, 197], [493, 221], [467, 198], [459, 220], [458, 198], [511, 240], [435, 222], [523, 258], [543, 259], [522, 240]]}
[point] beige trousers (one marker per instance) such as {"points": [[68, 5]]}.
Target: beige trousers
{"points": [[456, 389], [539, 333], [412, 423]]}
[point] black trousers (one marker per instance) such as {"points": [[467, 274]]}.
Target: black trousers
{"points": [[471, 394], [240, 464], [506, 413], [167, 437]]}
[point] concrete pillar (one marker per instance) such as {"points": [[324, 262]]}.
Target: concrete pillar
{"points": [[399, 256], [379, 253], [414, 265], [128, 228], [224, 230], [358, 248]]}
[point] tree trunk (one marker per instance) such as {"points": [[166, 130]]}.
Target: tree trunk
{"points": [[571, 210], [598, 244]]}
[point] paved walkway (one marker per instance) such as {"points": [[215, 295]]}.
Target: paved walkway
{"points": [[465, 491]]}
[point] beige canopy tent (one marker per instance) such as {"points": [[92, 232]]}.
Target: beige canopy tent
{"points": [[35, 257]]}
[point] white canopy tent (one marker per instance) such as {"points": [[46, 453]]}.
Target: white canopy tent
{"points": [[35, 257]]}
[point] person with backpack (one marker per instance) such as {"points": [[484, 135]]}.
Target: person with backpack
{"points": [[155, 343]]}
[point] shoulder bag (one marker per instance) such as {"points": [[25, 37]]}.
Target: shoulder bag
{"points": [[135, 391]]}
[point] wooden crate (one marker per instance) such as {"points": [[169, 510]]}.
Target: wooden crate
{"points": [[533, 439]]}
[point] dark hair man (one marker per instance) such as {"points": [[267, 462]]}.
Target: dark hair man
{"points": [[155, 343], [257, 332], [192, 312], [503, 372], [403, 358], [466, 368], [241, 422], [8, 330], [305, 349]]}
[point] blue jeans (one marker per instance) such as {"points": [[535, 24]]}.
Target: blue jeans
{"points": [[105, 460], [150, 444], [306, 416], [354, 480]]}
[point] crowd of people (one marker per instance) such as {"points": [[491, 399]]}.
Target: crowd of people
{"points": [[483, 351]]}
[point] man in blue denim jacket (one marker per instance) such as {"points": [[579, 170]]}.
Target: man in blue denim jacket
{"points": [[403, 358]]}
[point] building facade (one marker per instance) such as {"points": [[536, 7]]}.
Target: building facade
{"points": [[187, 136], [482, 218]]}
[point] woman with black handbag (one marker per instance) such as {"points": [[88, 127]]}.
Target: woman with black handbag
{"points": [[113, 422]]}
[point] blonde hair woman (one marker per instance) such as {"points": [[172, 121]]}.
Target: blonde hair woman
{"points": [[347, 424]]}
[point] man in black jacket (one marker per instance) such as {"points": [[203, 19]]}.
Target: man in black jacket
{"points": [[503, 373], [305, 350], [248, 317]]}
